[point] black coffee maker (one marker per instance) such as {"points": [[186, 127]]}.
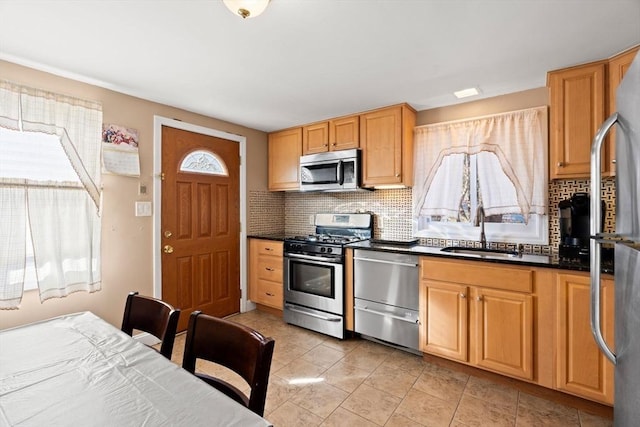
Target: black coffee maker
{"points": [[574, 227]]}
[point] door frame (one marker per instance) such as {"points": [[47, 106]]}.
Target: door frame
{"points": [[158, 122]]}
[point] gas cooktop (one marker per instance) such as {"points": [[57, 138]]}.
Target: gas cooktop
{"points": [[326, 238]]}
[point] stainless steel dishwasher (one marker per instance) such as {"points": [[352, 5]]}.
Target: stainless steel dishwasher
{"points": [[386, 297]]}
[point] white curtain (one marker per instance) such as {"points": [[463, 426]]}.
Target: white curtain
{"points": [[64, 219], [13, 216], [517, 141]]}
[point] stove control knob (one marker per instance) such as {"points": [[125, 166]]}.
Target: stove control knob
{"points": [[323, 249], [329, 250]]}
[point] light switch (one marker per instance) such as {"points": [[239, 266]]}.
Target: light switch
{"points": [[143, 208]]}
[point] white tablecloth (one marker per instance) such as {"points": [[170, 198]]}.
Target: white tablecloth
{"points": [[78, 370]]}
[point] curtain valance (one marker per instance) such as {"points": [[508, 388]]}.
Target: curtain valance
{"points": [[518, 141]]}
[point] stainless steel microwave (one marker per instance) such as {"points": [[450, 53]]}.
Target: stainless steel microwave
{"points": [[330, 171]]}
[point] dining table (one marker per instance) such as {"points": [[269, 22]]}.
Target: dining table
{"points": [[79, 370]]}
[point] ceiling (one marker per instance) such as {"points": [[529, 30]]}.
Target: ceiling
{"points": [[307, 60]]}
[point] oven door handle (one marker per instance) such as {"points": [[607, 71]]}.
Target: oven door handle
{"points": [[313, 258], [381, 313], [317, 316]]}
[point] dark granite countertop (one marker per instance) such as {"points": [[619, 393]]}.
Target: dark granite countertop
{"points": [[274, 236], [532, 260]]}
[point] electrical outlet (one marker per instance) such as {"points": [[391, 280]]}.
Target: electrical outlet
{"points": [[380, 222], [312, 220]]}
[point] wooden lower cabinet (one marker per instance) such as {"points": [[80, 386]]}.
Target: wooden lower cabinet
{"points": [[265, 273], [444, 309], [503, 326], [488, 326], [582, 369]]}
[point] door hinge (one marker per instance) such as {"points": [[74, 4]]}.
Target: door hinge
{"points": [[162, 176]]}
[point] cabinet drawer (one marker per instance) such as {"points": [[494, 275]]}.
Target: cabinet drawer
{"points": [[269, 293], [470, 273], [270, 268], [269, 247]]}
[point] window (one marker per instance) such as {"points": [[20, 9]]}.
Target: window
{"points": [[39, 159], [497, 163], [49, 194], [204, 162]]}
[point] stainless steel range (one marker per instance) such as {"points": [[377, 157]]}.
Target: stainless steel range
{"points": [[314, 272]]}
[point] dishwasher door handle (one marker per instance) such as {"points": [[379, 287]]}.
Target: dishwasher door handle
{"points": [[381, 261], [393, 316]]}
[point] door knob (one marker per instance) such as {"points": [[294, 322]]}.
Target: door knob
{"points": [[167, 249]]}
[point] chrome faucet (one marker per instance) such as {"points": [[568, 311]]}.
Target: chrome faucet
{"points": [[479, 221]]}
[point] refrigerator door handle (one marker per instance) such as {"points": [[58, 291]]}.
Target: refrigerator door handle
{"points": [[594, 225]]}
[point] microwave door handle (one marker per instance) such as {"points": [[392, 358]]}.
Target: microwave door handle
{"points": [[340, 173]]}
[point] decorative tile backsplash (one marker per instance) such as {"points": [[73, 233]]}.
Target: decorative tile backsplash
{"points": [[266, 212], [290, 213]]}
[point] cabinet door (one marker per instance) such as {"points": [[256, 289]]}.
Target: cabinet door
{"points": [[503, 325], [582, 369], [577, 98], [618, 66], [285, 149], [315, 138], [444, 323], [344, 133], [381, 142]]}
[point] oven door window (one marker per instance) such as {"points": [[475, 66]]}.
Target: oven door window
{"points": [[312, 279], [324, 173]]}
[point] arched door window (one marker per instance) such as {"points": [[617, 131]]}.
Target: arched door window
{"points": [[204, 162]]}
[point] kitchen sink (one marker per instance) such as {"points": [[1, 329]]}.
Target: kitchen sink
{"points": [[481, 252]]}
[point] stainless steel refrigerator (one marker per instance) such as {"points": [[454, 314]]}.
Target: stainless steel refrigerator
{"points": [[626, 355]]}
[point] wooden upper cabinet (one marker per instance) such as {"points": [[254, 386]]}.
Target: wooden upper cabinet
{"points": [[336, 134], [315, 138], [580, 100], [618, 66], [344, 133], [386, 139], [577, 98], [285, 149], [582, 369]]}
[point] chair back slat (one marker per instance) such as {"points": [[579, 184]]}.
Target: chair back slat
{"points": [[235, 346], [153, 316]]}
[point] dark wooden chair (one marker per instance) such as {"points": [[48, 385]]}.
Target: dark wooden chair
{"points": [[237, 347], [153, 316]]}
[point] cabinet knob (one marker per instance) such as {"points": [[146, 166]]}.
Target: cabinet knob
{"points": [[335, 144], [613, 161], [479, 298], [560, 164], [462, 295], [268, 268], [326, 145], [268, 249], [397, 175], [269, 294]]}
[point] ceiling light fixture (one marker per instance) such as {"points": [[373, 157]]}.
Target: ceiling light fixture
{"points": [[466, 92], [246, 8]]}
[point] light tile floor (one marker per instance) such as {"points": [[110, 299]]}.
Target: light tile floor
{"points": [[321, 381]]}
